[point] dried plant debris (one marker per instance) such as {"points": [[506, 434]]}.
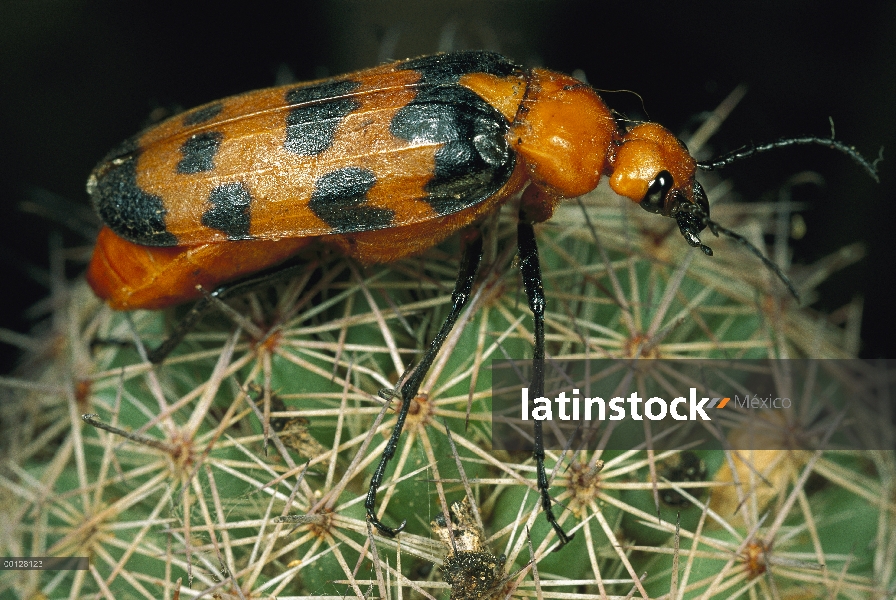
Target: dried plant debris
{"points": [[470, 568]]}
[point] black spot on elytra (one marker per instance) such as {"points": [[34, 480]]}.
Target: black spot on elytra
{"points": [[474, 161], [129, 211], [449, 67], [339, 199], [199, 152], [229, 211], [201, 115], [311, 124]]}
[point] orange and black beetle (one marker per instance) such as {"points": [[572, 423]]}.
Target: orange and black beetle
{"points": [[382, 163]]}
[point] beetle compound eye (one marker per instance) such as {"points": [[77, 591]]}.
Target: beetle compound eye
{"points": [[655, 199]]}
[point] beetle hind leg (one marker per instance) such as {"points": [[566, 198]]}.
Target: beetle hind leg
{"points": [[205, 305]]}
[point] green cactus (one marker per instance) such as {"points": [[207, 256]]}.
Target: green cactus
{"points": [[249, 450]]}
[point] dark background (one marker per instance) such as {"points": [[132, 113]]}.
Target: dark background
{"points": [[78, 77]]}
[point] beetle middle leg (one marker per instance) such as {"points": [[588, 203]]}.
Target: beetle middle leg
{"points": [[462, 289]]}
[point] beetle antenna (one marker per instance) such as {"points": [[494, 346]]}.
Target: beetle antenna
{"points": [[770, 264], [751, 149]]}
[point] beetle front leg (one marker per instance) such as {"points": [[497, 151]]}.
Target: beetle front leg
{"points": [[532, 281]]}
